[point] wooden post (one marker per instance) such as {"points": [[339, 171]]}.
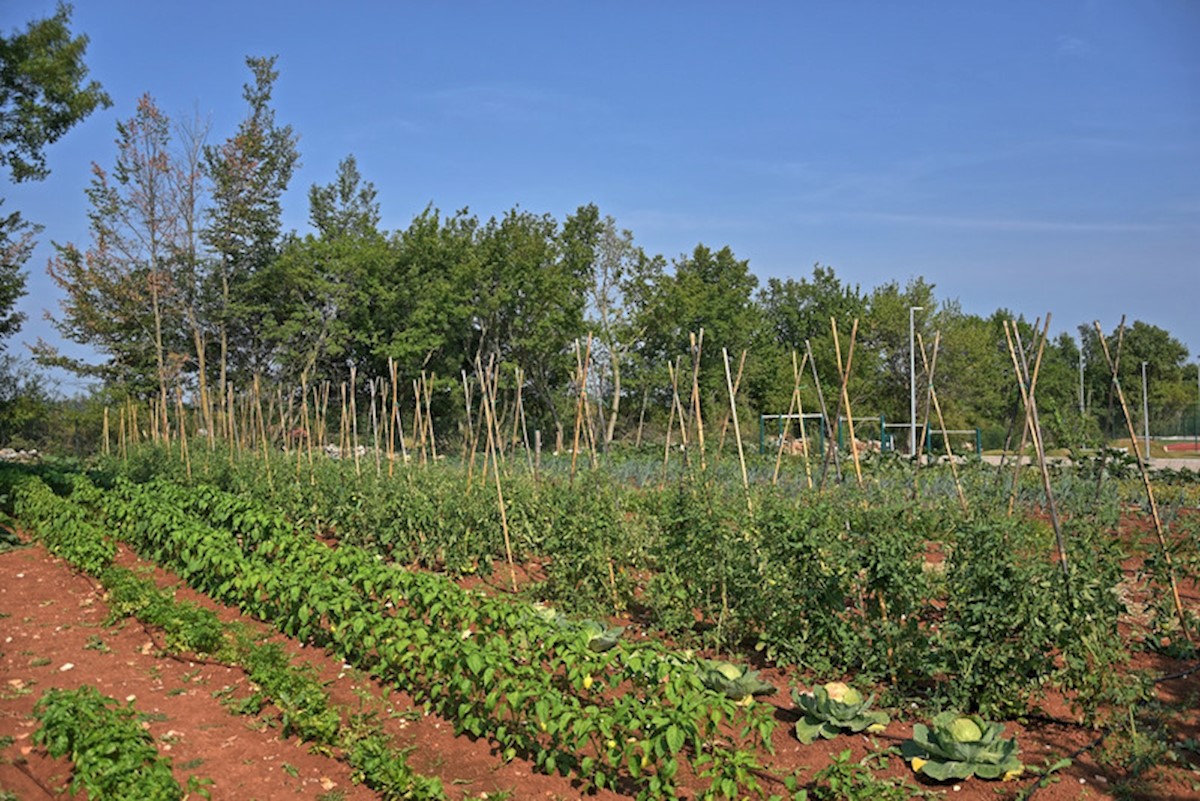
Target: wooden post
{"points": [[1164, 551], [845, 402], [830, 437], [737, 430], [492, 436], [787, 418], [106, 451], [929, 370], [737, 383], [697, 345], [183, 443], [581, 367], [1024, 378]]}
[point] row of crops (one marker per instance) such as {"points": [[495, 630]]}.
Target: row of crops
{"points": [[969, 611], [963, 612]]}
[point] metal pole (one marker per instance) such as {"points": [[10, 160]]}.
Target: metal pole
{"points": [[1145, 412], [912, 382]]}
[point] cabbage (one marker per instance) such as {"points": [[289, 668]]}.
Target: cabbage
{"points": [[965, 730], [834, 709], [960, 746], [739, 683]]}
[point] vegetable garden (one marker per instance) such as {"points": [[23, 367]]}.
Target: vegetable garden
{"points": [[670, 637]]}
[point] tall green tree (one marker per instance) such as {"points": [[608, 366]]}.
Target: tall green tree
{"points": [[248, 175], [311, 298], [43, 93]]}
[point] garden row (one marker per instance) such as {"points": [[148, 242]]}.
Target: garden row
{"points": [[536, 688], [967, 611], [110, 762]]}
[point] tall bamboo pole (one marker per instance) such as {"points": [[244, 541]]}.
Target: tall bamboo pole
{"points": [[791, 407], [937, 406], [697, 342], [1164, 550], [1116, 366], [830, 436], [845, 401], [493, 433], [737, 429], [581, 377], [737, 383], [1028, 384], [427, 382]]}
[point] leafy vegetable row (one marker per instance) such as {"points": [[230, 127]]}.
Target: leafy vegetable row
{"points": [[112, 755], [489, 665], [64, 526]]}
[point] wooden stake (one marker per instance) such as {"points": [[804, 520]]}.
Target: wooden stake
{"points": [[929, 370], [1028, 386], [737, 430], [492, 437], [737, 384], [1164, 551], [830, 435], [697, 345], [845, 401]]}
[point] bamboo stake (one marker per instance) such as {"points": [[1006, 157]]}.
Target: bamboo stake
{"points": [[830, 436], [697, 345], [937, 406], [1029, 398], [492, 436], [418, 422], [673, 372], [262, 427], [183, 443], [1037, 345], [737, 383], [524, 423], [791, 407], [667, 447], [1164, 551], [375, 430], [581, 377], [737, 430], [471, 438], [428, 385], [1025, 433], [106, 451], [1116, 366], [930, 371], [845, 401]]}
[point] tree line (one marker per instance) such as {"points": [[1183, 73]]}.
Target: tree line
{"points": [[189, 281]]}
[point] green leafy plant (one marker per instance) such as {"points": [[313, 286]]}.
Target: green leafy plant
{"points": [[113, 756], [961, 746], [833, 709], [735, 681]]}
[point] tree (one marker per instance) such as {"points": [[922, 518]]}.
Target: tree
{"points": [[249, 173], [617, 268], [1169, 393], [346, 207], [42, 95], [121, 294], [312, 296]]}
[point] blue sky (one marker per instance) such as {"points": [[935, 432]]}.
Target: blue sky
{"points": [[1026, 155]]}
